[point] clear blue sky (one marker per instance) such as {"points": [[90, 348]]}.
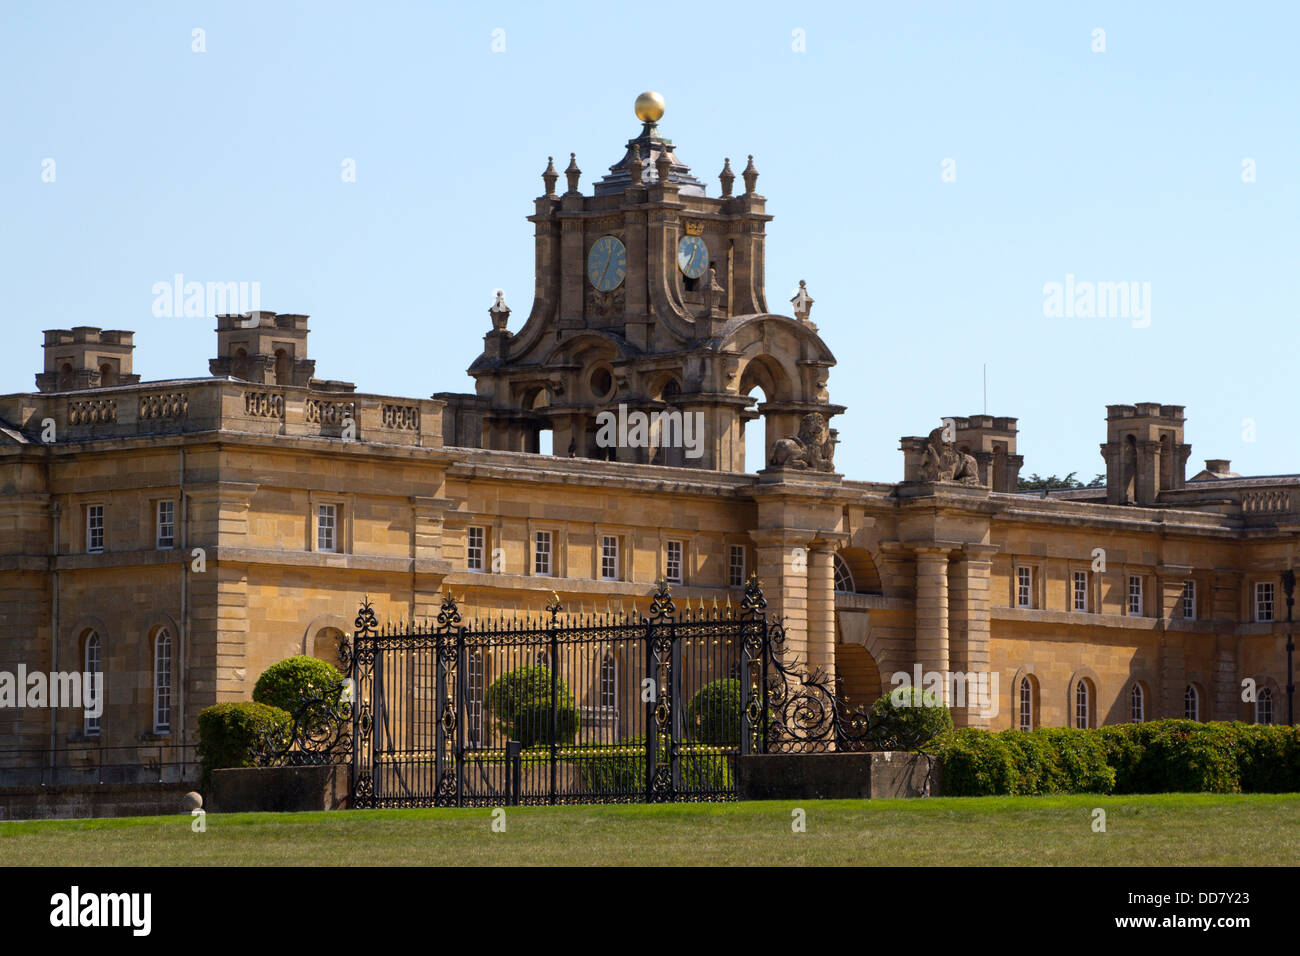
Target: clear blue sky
{"points": [[1117, 166]]}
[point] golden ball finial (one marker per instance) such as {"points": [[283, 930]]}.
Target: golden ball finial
{"points": [[649, 107]]}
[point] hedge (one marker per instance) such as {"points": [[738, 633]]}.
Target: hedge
{"points": [[623, 768], [229, 732], [1162, 756], [713, 715]]}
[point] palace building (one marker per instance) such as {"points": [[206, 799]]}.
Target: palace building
{"points": [[181, 534]]}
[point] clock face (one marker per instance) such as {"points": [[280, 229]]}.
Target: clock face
{"points": [[692, 256], [607, 263]]}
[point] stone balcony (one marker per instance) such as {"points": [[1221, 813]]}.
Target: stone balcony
{"points": [[189, 406]]}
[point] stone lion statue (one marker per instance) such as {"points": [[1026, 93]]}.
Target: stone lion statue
{"points": [[813, 449], [943, 462]]}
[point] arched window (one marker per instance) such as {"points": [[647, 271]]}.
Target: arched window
{"points": [[1082, 705], [1026, 715], [1137, 704], [65, 377], [843, 576], [162, 682], [107, 375], [1191, 703], [608, 696], [474, 707], [94, 665], [1264, 707]]}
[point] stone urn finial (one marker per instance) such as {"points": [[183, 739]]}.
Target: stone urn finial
{"points": [[573, 173], [751, 177], [499, 312], [550, 177], [726, 177], [802, 302]]}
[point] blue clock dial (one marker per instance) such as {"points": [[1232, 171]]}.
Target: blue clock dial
{"points": [[607, 263], [692, 256]]}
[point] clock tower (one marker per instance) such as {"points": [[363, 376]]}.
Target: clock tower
{"points": [[649, 297]]}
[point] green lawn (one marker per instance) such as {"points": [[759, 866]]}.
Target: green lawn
{"points": [[1165, 829]]}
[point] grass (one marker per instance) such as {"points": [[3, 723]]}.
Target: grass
{"points": [[1163, 829]]}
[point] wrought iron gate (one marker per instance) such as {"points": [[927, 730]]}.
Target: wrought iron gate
{"points": [[596, 709]]}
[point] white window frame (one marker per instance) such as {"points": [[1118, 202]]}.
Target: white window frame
{"points": [[162, 682], [1025, 699], [1191, 703], [675, 564], [1137, 704], [1134, 602], [1082, 704], [93, 659], [1024, 586], [544, 554], [95, 524], [1264, 707], [476, 548], [165, 542], [607, 682], [843, 574], [327, 532], [1265, 602], [736, 568], [1078, 593], [609, 557], [1189, 600]]}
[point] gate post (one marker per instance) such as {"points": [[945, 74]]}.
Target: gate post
{"points": [[555, 680]]}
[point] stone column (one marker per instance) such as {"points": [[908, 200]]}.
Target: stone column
{"points": [[821, 607], [932, 609], [783, 571], [969, 626]]}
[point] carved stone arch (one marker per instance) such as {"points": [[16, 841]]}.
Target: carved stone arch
{"points": [[1083, 673], [1122, 711], [1204, 701], [1025, 672], [71, 646], [156, 621], [325, 622], [862, 566]]}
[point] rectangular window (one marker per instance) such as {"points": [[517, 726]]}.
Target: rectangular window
{"points": [[1081, 590], [542, 550], [1263, 601], [327, 524], [673, 563], [736, 566], [94, 528], [476, 548], [1189, 600], [1135, 595], [609, 557], [166, 524], [1024, 587]]}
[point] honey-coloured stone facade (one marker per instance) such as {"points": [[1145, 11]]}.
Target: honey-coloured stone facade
{"points": [[242, 517]]}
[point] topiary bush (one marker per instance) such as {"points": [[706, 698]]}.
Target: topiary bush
{"points": [[713, 715], [520, 703], [907, 722], [287, 683], [229, 732]]}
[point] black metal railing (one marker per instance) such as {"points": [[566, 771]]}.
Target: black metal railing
{"points": [[601, 708], [90, 763]]}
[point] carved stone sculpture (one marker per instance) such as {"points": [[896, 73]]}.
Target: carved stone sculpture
{"points": [[943, 462], [813, 449]]}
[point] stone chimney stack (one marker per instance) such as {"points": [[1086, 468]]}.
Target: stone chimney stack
{"points": [[1144, 452], [85, 357]]}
